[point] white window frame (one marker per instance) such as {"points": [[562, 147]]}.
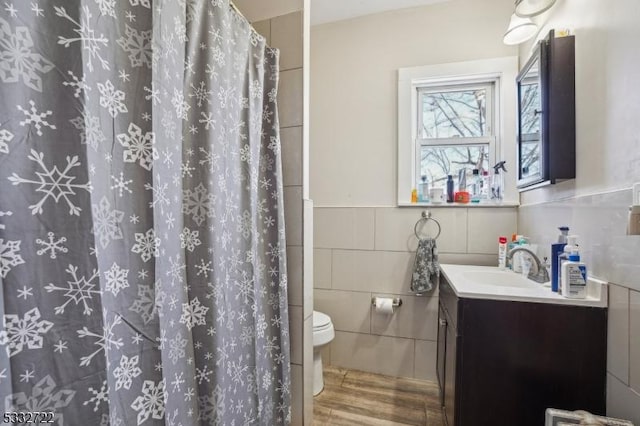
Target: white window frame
{"points": [[501, 71], [492, 118]]}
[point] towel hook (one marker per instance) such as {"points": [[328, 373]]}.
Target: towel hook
{"points": [[426, 216]]}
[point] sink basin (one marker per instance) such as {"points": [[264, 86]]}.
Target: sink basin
{"points": [[500, 279], [491, 283]]}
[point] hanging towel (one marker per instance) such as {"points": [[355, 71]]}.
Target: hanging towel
{"points": [[426, 270]]}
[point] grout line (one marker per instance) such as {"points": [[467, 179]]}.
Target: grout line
{"points": [[575, 197], [448, 253], [629, 335], [375, 223]]}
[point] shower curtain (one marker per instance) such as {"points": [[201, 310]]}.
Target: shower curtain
{"points": [[142, 245]]}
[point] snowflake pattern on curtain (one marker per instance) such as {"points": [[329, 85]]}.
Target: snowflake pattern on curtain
{"points": [[142, 243]]}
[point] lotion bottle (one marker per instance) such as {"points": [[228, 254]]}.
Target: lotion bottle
{"points": [[502, 253], [572, 246], [574, 277]]}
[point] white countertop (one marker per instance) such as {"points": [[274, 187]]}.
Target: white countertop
{"points": [[488, 282]]}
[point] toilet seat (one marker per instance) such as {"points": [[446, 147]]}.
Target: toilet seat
{"points": [[323, 333], [320, 321]]}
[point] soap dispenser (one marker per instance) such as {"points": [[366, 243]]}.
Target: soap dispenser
{"points": [[574, 277], [572, 246]]}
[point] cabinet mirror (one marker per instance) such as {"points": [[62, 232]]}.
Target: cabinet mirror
{"points": [[546, 114]]}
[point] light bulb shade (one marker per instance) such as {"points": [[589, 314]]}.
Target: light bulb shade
{"points": [[528, 8], [520, 30]]}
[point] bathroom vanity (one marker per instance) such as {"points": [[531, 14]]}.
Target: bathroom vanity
{"points": [[509, 348]]}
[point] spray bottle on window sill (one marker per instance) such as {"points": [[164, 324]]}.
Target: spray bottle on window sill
{"points": [[497, 182]]}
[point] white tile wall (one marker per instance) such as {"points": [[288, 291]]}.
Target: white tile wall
{"points": [[486, 225], [394, 229], [307, 208], [291, 142], [349, 310], [425, 360], [416, 319], [296, 322], [322, 268], [622, 401], [290, 98], [308, 371], [344, 228], [264, 29], [294, 275], [601, 222], [290, 47], [297, 396], [618, 333], [362, 252], [379, 271], [293, 215], [392, 356], [634, 336]]}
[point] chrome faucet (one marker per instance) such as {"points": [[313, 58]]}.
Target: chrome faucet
{"points": [[540, 275]]}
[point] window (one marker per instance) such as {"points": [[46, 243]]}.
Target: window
{"points": [[455, 131], [455, 116]]}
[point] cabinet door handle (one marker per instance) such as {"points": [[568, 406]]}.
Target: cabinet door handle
{"points": [[443, 322]]}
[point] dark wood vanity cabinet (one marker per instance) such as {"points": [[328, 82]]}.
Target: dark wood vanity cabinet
{"points": [[505, 363]]}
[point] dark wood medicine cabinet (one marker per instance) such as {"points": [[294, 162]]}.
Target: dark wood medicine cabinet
{"points": [[547, 114]]}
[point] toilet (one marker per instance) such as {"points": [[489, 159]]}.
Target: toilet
{"points": [[322, 334]]}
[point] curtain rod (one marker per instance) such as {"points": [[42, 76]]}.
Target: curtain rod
{"points": [[232, 4]]}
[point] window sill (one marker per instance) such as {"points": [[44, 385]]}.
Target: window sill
{"points": [[505, 204]]}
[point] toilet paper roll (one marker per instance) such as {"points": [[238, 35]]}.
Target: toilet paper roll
{"points": [[384, 305]]}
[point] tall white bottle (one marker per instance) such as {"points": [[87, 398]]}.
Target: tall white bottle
{"points": [[572, 246], [574, 277]]}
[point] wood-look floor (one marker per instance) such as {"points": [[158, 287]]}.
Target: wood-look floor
{"points": [[353, 398]]}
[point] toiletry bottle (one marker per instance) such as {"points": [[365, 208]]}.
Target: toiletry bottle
{"points": [[502, 252], [497, 182], [572, 245], [462, 196], [414, 196], [449, 189], [517, 257], [510, 246], [476, 185], [484, 185], [574, 277], [556, 249], [424, 190]]}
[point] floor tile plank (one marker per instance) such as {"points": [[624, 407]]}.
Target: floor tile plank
{"points": [[356, 398]]}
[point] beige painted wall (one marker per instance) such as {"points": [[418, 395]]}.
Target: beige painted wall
{"points": [[354, 93], [608, 163], [260, 10], [364, 245]]}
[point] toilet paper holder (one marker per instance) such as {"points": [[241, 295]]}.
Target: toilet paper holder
{"points": [[397, 302]]}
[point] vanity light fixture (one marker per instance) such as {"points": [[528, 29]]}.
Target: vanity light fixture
{"points": [[529, 8], [520, 30]]}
